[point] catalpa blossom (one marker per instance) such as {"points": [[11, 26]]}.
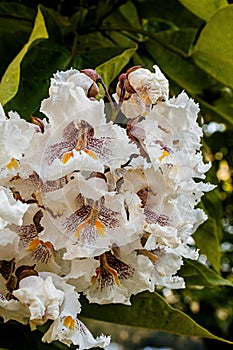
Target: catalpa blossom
{"points": [[48, 297], [139, 90], [95, 207], [79, 137], [67, 328], [41, 297], [170, 135], [86, 219], [15, 139], [113, 276]]}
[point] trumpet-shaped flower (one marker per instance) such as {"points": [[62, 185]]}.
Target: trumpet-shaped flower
{"points": [[114, 276], [80, 138], [88, 226], [67, 328]]}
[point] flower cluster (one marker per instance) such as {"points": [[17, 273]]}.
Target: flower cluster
{"points": [[96, 207]]}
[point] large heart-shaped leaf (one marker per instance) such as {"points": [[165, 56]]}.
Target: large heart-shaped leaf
{"points": [[213, 51], [204, 8]]}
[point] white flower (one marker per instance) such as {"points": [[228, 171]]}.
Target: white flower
{"points": [[75, 78], [9, 241], [86, 221], [15, 139], [150, 87], [109, 209], [166, 263], [41, 297], [114, 277], [79, 137], [155, 192], [143, 90], [67, 328], [170, 129], [11, 211]]}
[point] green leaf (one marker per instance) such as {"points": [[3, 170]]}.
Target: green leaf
{"points": [[176, 67], [209, 235], [10, 80], [169, 10], [14, 31], [197, 274], [37, 67], [178, 40], [213, 51], [207, 240], [95, 57], [129, 11], [110, 69], [204, 8], [148, 310]]}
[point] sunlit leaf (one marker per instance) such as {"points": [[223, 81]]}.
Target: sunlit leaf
{"points": [[10, 80], [149, 310], [204, 8], [14, 30], [110, 69], [37, 68], [197, 274], [213, 51]]}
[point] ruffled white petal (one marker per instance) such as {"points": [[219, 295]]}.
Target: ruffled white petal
{"points": [[11, 211]]}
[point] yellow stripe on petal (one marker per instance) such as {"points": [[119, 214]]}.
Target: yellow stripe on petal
{"points": [[34, 244], [92, 221], [66, 157], [150, 255], [69, 322], [165, 154], [100, 227], [114, 274], [90, 153], [50, 248], [80, 228], [94, 278], [13, 164]]}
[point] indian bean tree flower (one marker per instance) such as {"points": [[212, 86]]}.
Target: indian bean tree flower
{"points": [[95, 207]]}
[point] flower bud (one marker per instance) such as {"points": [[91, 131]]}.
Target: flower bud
{"points": [[150, 87]]}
